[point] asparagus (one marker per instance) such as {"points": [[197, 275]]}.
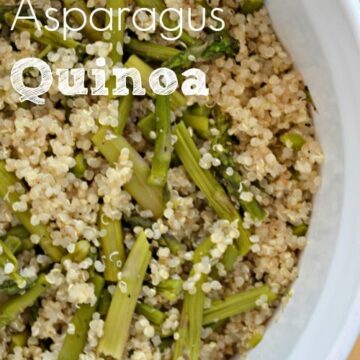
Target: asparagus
{"points": [[10, 287], [89, 31], [54, 39], [159, 6], [80, 166], [300, 230], [170, 289], [19, 339], [251, 6], [125, 105], [215, 46], [73, 344], [151, 50], [9, 264], [148, 196], [18, 231], [134, 221], [255, 340], [147, 125], [13, 243], [118, 320], [81, 252], [154, 315], [293, 140], [8, 183], [104, 303], [174, 245], [16, 305], [177, 99], [163, 147], [229, 258], [236, 304], [231, 178], [112, 247], [190, 156]]}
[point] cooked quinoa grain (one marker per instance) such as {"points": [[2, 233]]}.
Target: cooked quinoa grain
{"points": [[254, 139]]}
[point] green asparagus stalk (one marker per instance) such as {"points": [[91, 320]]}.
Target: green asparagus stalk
{"points": [[125, 105], [255, 340], [19, 231], [293, 140], [213, 191], [229, 258], [8, 260], [147, 124], [80, 166], [177, 99], [118, 320], [81, 252], [159, 6], [170, 289], [148, 196], [104, 303], [300, 230], [54, 39], [19, 339], [231, 178], [163, 147], [112, 247], [9, 181], [154, 315], [251, 6], [134, 221], [174, 245], [16, 305], [199, 123], [236, 304], [215, 46], [10, 288], [89, 31], [149, 50], [74, 344], [13, 243]]}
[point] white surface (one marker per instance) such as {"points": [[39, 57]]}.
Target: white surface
{"points": [[322, 320]]}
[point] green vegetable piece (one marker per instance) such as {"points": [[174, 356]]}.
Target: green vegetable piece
{"points": [[300, 230], [293, 140], [170, 289], [146, 125], [120, 314], [251, 6], [80, 167], [125, 104], [154, 315]]}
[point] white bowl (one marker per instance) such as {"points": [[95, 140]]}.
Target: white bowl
{"points": [[322, 320]]}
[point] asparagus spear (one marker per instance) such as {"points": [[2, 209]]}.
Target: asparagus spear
{"points": [[104, 303], [18, 231], [154, 315], [125, 105], [236, 304], [9, 264], [148, 196], [293, 140], [159, 6], [118, 320], [112, 247], [250, 6], [80, 167], [177, 99], [80, 253], [300, 230], [9, 181], [134, 221], [147, 124], [13, 243], [170, 289], [163, 147], [149, 50], [16, 305], [89, 31], [54, 39], [231, 178], [73, 344], [19, 339], [215, 194], [174, 245], [215, 46]]}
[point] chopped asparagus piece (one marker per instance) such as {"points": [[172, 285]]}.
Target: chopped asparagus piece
{"points": [[125, 105], [293, 140], [170, 289], [16, 305], [236, 304], [199, 123], [19, 231], [9, 287], [8, 182], [74, 344], [88, 30], [255, 340], [134, 221], [19, 339], [118, 320], [231, 178], [148, 196], [151, 50], [174, 245], [9, 264], [230, 256], [163, 147], [54, 39], [13, 243], [81, 252], [159, 6], [177, 99], [147, 124], [216, 45], [80, 167], [154, 315], [112, 247], [213, 191], [251, 6], [300, 230], [104, 303]]}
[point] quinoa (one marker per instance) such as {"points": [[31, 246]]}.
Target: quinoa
{"points": [[262, 94]]}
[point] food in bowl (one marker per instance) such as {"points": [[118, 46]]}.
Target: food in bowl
{"points": [[156, 227]]}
